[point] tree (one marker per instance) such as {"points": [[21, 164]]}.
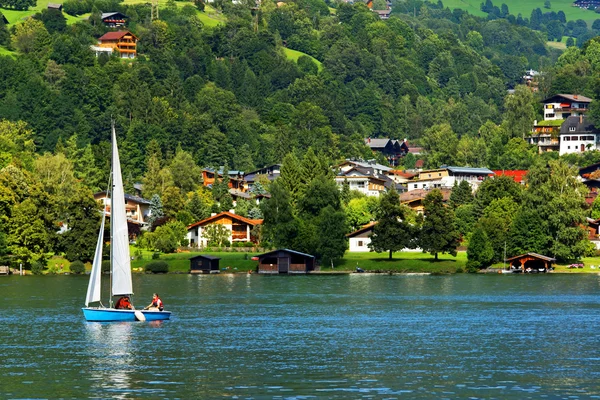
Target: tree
{"points": [[496, 188], [156, 209], [438, 233], [165, 238], [332, 230], [392, 231], [217, 235], [462, 193], [519, 112], [280, 227], [480, 252], [441, 143], [82, 222], [31, 37], [184, 171], [16, 144], [28, 238]]}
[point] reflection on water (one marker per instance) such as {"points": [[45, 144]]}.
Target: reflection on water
{"points": [[111, 356]]}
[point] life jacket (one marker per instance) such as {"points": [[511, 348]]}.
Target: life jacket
{"points": [[158, 303]]}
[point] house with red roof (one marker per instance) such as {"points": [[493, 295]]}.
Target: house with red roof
{"points": [[122, 42], [239, 228]]}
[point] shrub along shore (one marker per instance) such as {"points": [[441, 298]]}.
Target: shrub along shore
{"points": [[241, 262]]}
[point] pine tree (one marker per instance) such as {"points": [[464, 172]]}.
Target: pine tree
{"points": [[156, 209], [480, 252], [438, 233], [392, 232]]}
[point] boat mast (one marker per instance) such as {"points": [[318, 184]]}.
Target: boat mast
{"points": [[112, 213]]}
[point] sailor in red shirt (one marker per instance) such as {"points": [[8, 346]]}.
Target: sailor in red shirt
{"points": [[123, 303]]}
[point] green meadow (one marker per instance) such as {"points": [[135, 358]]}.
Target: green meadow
{"points": [[524, 7], [294, 55]]}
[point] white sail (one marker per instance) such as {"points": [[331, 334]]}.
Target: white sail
{"points": [[121, 267], [93, 292]]}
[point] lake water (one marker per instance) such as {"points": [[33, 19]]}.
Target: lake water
{"points": [[297, 337]]}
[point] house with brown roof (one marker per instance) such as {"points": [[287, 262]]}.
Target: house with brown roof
{"points": [[122, 42], [414, 198], [114, 19], [137, 209], [239, 228]]}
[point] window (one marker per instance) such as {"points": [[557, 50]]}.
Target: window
{"points": [[572, 129], [573, 137], [360, 243], [550, 115], [440, 174], [416, 185], [360, 185], [567, 138], [568, 147]]}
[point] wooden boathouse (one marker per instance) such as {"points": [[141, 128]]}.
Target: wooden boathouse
{"points": [[285, 261], [530, 262], [204, 264]]}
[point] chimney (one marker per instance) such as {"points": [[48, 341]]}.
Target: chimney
{"points": [[213, 214], [369, 139], [232, 211], [575, 96], [581, 118]]}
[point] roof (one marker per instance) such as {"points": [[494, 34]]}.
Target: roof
{"points": [[404, 173], [469, 170], [3, 18], [130, 197], [570, 97], [206, 256], [367, 164], [111, 14], [535, 255], [286, 250], [55, 6], [239, 193], [580, 123], [421, 193], [115, 35], [377, 143], [225, 214], [518, 175], [364, 228]]}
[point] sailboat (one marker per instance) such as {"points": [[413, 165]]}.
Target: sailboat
{"points": [[120, 261]]}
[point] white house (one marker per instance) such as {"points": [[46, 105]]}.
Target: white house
{"points": [[360, 239], [562, 106], [446, 176], [364, 180], [577, 135]]}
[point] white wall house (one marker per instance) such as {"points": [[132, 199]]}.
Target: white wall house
{"points": [[578, 135], [562, 106], [359, 240]]}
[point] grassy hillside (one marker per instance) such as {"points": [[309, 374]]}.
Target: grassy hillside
{"points": [[525, 7], [14, 16], [294, 55], [209, 17]]}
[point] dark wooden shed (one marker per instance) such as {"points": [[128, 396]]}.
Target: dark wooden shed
{"points": [[531, 262], [204, 264], [285, 261]]}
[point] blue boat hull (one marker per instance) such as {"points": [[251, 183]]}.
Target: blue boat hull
{"points": [[96, 314]]}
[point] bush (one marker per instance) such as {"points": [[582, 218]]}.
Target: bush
{"points": [[77, 267], [106, 266], [157, 267], [156, 255], [37, 268]]}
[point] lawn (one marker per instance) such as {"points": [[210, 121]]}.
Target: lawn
{"points": [[524, 7], [402, 262], [294, 55]]}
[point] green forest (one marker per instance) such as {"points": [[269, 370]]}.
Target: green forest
{"points": [[234, 95]]}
